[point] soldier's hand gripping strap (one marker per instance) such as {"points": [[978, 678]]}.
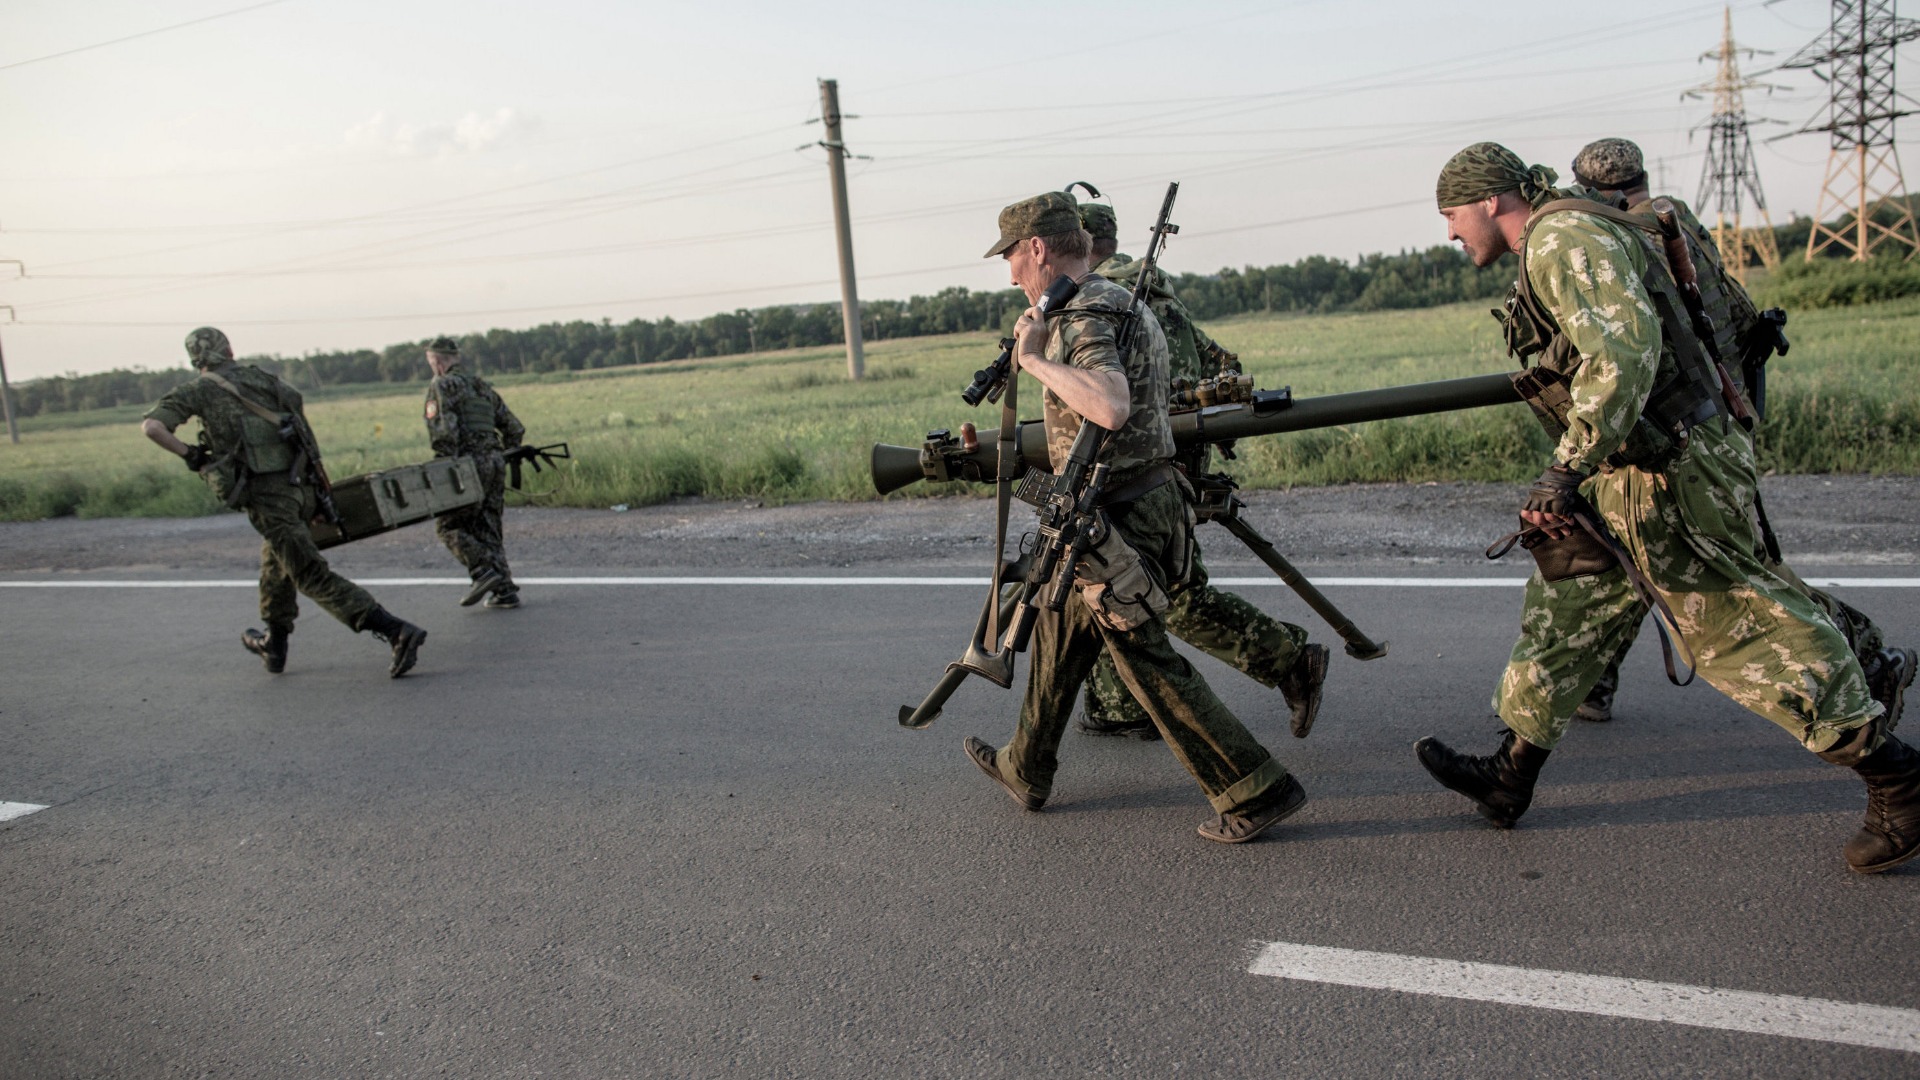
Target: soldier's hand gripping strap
{"points": [[1556, 492], [1116, 584], [196, 458]]}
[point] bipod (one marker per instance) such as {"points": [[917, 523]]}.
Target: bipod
{"points": [[1216, 501]]}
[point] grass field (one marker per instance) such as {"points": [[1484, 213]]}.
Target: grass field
{"points": [[787, 426]]}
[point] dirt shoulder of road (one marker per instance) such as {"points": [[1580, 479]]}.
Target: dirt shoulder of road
{"points": [[1828, 521]]}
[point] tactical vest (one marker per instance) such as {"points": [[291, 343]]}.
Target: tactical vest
{"points": [[469, 425], [1685, 390], [1733, 312], [262, 448]]}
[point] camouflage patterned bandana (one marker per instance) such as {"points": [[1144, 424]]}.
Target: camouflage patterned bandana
{"points": [[445, 346], [207, 347], [1610, 163], [1098, 220], [1047, 214], [1486, 169]]}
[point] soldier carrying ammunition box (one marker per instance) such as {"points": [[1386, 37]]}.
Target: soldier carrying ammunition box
{"points": [[465, 416], [258, 455]]}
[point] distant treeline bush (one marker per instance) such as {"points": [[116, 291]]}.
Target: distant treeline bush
{"points": [[1317, 284]]}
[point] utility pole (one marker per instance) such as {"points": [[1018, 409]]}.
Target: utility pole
{"points": [[842, 226], [1731, 174], [6, 391], [1855, 59]]}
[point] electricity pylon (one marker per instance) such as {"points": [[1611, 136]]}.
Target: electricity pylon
{"points": [[1731, 174], [1855, 59]]}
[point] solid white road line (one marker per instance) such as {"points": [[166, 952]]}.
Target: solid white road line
{"points": [[917, 582], [1602, 995], [11, 810]]}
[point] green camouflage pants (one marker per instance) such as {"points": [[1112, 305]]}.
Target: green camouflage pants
{"points": [[473, 534], [1754, 636], [1229, 763], [1221, 624], [290, 562]]}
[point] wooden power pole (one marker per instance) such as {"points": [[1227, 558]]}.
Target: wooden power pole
{"points": [[843, 227], [6, 398]]}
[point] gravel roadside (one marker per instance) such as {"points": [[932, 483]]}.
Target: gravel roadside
{"points": [[1826, 521]]}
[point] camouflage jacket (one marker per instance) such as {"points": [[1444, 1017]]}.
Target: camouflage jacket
{"points": [[1082, 333], [1192, 355], [228, 427], [465, 415]]}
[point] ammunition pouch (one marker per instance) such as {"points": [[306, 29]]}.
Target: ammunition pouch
{"points": [[1118, 588]]}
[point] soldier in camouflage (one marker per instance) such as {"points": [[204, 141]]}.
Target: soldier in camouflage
{"points": [[244, 458], [465, 417], [1616, 169], [1219, 623], [1585, 309], [1118, 604]]}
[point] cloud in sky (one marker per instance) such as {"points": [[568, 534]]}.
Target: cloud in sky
{"points": [[470, 134]]}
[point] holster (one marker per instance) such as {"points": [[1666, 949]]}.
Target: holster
{"points": [[1117, 586], [1577, 554]]}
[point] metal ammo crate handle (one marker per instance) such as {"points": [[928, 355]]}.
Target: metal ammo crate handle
{"points": [[394, 491]]}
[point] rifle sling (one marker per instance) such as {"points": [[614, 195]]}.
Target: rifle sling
{"points": [[261, 411]]}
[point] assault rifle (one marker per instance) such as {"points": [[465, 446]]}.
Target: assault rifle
{"points": [[306, 460], [1680, 260], [533, 455]]}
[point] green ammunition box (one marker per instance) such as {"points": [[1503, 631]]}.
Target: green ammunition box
{"points": [[383, 501]]}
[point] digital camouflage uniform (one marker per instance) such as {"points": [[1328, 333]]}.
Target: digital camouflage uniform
{"points": [[1688, 525], [465, 417], [1221, 624], [278, 508], [1231, 766]]}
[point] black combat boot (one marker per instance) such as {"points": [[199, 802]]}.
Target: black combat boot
{"points": [[1303, 685], [1890, 835], [270, 647], [1501, 785], [486, 582], [1888, 676], [1598, 708], [506, 595], [405, 638]]}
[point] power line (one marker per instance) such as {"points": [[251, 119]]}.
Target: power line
{"points": [[141, 34]]}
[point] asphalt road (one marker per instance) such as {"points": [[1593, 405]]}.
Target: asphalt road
{"points": [[674, 830]]}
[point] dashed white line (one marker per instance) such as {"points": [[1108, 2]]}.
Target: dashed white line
{"points": [[11, 810], [1601, 995], [841, 582]]}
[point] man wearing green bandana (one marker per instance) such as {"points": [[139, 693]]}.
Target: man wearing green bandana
{"points": [[1120, 589], [1225, 626], [1642, 446]]}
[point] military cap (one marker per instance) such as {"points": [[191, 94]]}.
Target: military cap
{"points": [[207, 347], [1047, 214], [1098, 220], [445, 346], [1609, 163]]}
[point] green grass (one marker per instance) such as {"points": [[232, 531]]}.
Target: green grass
{"points": [[784, 427]]}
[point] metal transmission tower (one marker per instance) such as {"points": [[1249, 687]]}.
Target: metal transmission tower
{"points": [[1855, 59], [1731, 174]]}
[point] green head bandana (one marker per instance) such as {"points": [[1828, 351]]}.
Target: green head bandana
{"points": [[207, 347], [1486, 169]]}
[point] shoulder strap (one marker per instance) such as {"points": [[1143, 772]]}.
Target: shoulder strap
{"points": [[1584, 206], [254, 407]]}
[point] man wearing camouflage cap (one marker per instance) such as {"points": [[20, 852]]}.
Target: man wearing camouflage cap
{"points": [[465, 417], [1643, 444], [1615, 168], [1228, 627], [1120, 597], [251, 465]]}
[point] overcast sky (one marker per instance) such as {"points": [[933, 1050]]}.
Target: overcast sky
{"points": [[321, 174]]}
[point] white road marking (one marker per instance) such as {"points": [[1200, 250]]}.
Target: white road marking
{"points": [[1602, 995], [917, 582], [11, 810]]}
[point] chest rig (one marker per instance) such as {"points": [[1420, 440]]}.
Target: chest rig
{"points": [[1685, 389]]}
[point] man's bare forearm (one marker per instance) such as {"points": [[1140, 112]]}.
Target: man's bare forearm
{"points": [[1100, 396], [166, 440]]}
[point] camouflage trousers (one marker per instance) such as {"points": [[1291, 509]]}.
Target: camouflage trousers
{"points": [[1220, 624], [473, 534], [1755, 637], [290, 563], [1229, 763]]}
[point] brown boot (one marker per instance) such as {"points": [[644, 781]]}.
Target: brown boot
{"points": [[1302, 687], [1273, 806], [1890, 835], [986, 758], [270, 647], [1501, 784]]}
